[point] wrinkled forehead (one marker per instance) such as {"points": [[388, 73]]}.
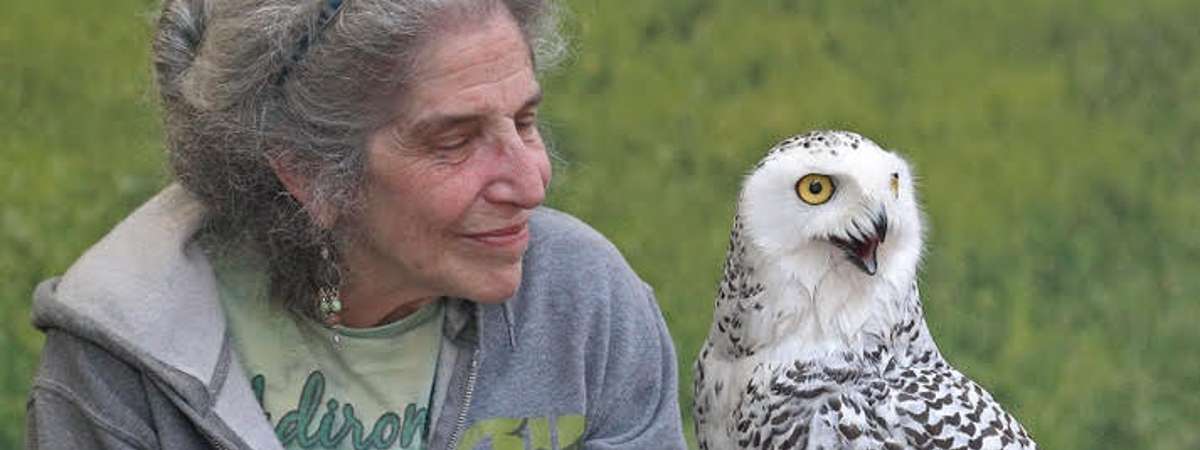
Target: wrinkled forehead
{"points": [[469, 71], [440, 39]]}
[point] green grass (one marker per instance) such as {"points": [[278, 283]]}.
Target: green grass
{"points": [[1057, 144]]}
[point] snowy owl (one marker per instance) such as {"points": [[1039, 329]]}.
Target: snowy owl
{"points": [[818, 338]]}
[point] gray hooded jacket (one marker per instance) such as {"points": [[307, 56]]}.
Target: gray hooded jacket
{"points": [[137, 354]]}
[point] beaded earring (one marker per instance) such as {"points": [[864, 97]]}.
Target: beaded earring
{"points": [[329, 303]]}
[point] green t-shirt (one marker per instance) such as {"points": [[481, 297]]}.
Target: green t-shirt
{"points": [[368, 388]]}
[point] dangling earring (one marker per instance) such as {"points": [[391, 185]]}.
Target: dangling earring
{"points": [[329, 303]]}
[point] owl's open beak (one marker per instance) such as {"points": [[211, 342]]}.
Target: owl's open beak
{"points": [[863, 252]]}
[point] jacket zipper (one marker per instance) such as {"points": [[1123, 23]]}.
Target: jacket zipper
{"points": [[214, 442], [461, 422]]}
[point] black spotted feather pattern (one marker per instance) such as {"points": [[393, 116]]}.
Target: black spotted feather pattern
{"points": [[873, 400]]}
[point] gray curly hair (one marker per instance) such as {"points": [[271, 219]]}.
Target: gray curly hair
{"points": [[247, 82]]}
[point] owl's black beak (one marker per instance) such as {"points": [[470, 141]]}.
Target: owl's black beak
{"points": [[864, 252]]}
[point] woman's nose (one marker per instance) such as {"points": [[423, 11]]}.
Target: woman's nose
{"points": [[521, 170]]}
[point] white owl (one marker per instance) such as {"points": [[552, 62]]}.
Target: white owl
{"points": [[818, 338]]}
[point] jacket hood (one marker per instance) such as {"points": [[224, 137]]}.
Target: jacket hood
{"points": [[147, 293], [143, 272]]}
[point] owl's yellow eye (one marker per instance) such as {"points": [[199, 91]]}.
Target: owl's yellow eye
{"points": [[815, 189]]}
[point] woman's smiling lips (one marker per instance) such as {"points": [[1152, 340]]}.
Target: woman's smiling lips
{"points": [[513, 236]]}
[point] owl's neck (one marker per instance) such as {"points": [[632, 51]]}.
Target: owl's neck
{"points": [[810, 304]]}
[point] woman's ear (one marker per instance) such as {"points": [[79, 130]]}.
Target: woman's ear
{"points": [[299, 185]]}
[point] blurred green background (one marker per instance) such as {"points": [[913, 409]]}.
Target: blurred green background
{"points": [[1058, 144]]}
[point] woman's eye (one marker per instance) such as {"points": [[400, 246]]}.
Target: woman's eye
{"points": [[526, 122], [452, 142], [451, 149]]}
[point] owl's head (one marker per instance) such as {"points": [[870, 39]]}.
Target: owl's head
{"points": [[834, 201]]}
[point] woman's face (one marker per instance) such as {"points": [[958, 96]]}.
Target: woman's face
{"points": [[451, 185]]}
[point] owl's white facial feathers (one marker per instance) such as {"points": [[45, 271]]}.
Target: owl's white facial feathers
{"points": [[825, 294]]}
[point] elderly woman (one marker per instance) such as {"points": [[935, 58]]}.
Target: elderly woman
{"points": [[354, 255]]}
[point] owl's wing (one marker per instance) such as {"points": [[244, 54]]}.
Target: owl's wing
{"points": [[718, 378], [939, 407]]}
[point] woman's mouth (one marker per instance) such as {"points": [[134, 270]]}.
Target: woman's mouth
{"points": [[505, 237]]}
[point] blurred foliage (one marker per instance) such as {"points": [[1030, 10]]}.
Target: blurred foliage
{"points": [[1058, 144]]}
